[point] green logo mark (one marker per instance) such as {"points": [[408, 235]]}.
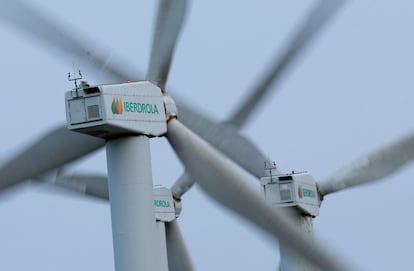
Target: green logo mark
{"points": [[307, 193], [161, 203], [116, 107], [141, 108]]}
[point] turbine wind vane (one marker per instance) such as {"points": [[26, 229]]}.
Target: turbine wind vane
{"points": [[75, 80]]}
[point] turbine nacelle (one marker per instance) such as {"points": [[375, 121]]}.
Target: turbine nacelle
{"points": [[297, 190], [110, 111], [166, 208]]}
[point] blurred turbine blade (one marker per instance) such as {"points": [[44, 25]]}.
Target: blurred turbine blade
{"points": [[227, 139], [91, 185], [228, 184], [182, 185], [371, 168], [169, 23], [51, 33], [46, 30], [53, 150], [178, 256], [97, 187], [307, 31]]}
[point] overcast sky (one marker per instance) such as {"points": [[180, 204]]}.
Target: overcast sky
{"points": [[351, 93]]}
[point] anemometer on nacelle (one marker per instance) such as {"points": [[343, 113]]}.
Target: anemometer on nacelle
{"points": [[296, 190]]}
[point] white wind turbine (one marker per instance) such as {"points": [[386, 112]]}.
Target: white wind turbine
{"points": [[193, 166]]}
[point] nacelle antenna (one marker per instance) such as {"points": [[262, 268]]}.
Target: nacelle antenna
{"points": [[76, 81]]}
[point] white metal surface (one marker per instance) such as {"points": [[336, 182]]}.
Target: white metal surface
{"points": [[296, 189], [164, 206], [110, 110], [132, 211]]}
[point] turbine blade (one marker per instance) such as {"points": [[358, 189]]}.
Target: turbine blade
{"points": [[97, 186], [227, 183], [371, 168], [170, 18], [53, 150], [178, 256], [307, 31], [91, 185], [226, 139], [182, 185], [41, 27], [45, 29]]}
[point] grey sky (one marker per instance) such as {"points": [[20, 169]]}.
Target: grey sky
{"points": [[351, 93]]}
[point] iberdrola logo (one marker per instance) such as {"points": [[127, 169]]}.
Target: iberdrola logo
{"points": [[117, 107]]}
